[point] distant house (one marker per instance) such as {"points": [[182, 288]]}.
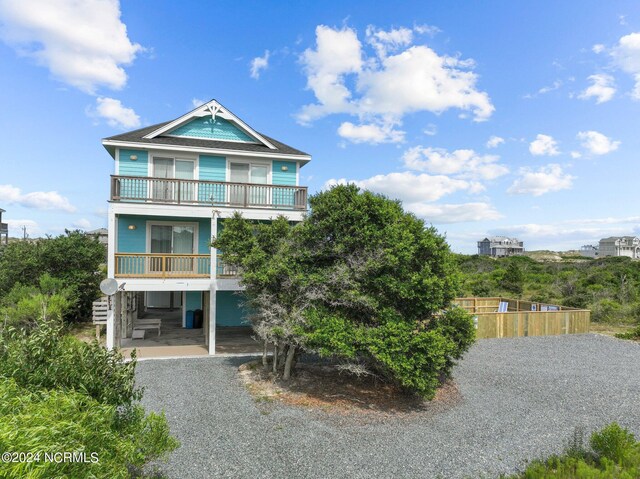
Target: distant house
{"points": [[620, 246], [500, 246], [4, 229], [590, 251], [101, 234]]}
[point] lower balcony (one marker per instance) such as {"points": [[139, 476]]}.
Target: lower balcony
{"points": [[156, 265]]}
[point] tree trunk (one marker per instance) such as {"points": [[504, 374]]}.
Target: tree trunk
{"points": [[275, 358], [265, 364], [291, 353]]}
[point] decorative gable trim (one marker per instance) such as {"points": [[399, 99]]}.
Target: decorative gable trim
{"points": [[214, 109]]}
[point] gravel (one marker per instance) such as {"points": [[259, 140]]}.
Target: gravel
{"points": [[520, 399]]}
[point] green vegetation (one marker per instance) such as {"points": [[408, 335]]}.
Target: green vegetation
{"points": [[609, 287], [359, 280], [73, 258], [613, 453], [59, 394]]}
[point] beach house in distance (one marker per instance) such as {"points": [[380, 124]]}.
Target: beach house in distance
{"points": [[173, 187]]}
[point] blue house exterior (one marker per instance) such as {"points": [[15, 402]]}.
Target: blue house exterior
{"points": [[174, 184]]}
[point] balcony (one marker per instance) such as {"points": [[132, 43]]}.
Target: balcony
{"points": [[4, 228], [137, 189], [165, 266]]}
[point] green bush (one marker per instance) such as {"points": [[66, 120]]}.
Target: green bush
{"points": [[66, 421], [633, 334], [358, 279], [44, 358], [72, 258], [615, 454]]}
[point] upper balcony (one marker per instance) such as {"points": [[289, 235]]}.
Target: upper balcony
{"points": [[138, 189]]}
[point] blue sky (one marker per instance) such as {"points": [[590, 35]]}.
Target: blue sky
{"points": [[482, 117]]}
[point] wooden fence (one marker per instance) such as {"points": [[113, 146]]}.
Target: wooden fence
{"points": [[523, 318]]}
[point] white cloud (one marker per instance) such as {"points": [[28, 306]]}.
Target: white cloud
{"points": [[543, 180], [196, 102], [15, 228], [454, 213], [397, 79], [370, 133], [602, 88], [386, 41], [258, 64], [431, 130], [494, 141], [546, 89], [598, 48], [410, 187], [82, 43], [82, 223], [544, 145], [462, 163], [596, 143], [337, 53], [626, 55], [116, 114], [425, 29], [41, 200], [576, 154]]}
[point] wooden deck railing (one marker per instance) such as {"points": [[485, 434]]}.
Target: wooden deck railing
{"points": [[200, 192], [156, 265]]}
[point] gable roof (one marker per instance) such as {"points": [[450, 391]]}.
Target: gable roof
{"points": [[160, 134]]}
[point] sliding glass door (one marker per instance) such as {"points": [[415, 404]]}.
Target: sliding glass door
{"points": [[172, 240], [248, 174], [168, 169]]}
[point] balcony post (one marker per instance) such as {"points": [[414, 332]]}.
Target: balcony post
{"points": [[214, 285]]}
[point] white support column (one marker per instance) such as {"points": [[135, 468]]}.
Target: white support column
{"points": [[111, 243], [214, 287]]}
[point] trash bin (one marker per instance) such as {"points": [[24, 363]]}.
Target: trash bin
{"points": [[197, 318], [189, 319]]}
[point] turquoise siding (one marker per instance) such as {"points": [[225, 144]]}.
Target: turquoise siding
{"points": [[132, 241], [229, 312], [280, 177], [129, 167], [135, 241], [193, 300], [212, 168], [206, 127], [283, 196]]}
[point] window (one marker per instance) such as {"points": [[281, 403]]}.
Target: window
{"points": [[169, 169], [167, 239], [248, 173]]}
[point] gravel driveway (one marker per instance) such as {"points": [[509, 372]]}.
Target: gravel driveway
{"points": [[520, 399]]}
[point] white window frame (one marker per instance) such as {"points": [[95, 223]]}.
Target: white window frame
{"points": [[151, 223], [167, 155], [250, 162]]}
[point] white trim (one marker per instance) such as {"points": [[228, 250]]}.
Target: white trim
{"points": [[184, 309], [207, 151], [201, 111], [250, 161], [169, 284], [117, 158], [202, 211], [112, 237], [297, 173]]}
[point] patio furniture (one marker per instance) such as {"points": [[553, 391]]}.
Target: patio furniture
{"points": [[142, 324]]}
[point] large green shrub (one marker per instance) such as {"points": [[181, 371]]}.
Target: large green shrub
{"points": [[66, 421], [44, 358], [358, 279], [73, 258]]}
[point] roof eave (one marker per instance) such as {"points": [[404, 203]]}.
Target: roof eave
{"points": [[110, 146]]}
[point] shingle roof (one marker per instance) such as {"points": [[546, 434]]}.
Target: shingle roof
{"points": [[137, 136]]}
